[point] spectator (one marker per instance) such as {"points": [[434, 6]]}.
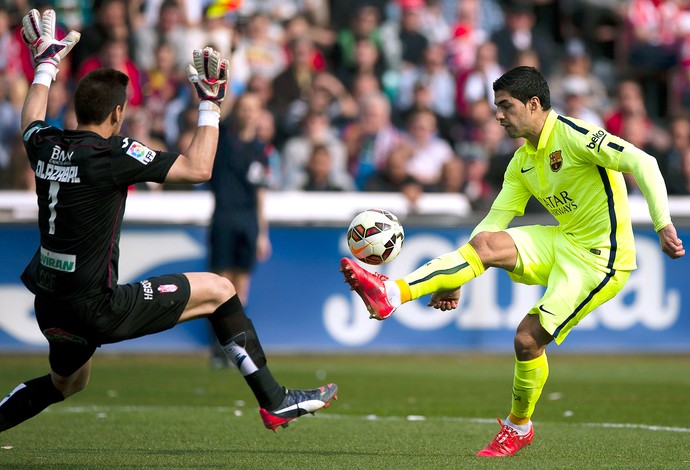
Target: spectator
{"points": [[266, 134], [10, 47], [423, 99], [263, 53], [479, 83], [412, 41], [467, 35], [294, 83], [12, 92], [680, 77], [367, 60], [160, 84], [629, 102], [521, 33], [435, 25], [110, 25], [318, 172], [316, 131], [452, 178], [113, 54], [169, 28], [365, 23], [299, 27], [58, 104], [327, 95], [577, 66], [576, 93], [671, 163], [429, 152], [441, 80], [683, 186], [653, 29], [393, 176], [364, 84], [486, 159], [370, 138]]}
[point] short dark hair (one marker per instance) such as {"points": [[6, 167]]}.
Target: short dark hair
{"points": [[523, 83], [98, 93]]}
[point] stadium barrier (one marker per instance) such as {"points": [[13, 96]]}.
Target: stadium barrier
{"points": [[299, 302]]}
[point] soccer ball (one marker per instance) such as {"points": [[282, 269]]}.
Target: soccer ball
{"points": [[375, 236]]}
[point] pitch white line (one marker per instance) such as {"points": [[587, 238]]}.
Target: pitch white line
{"points": [[329, 415]]}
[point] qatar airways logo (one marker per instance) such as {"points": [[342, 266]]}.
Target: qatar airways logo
{"points": [[558, 204]]}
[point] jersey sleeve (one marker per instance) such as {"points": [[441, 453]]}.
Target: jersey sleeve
{"points": [[29, 139], [514, 195], [610, 151], [133, 162]]}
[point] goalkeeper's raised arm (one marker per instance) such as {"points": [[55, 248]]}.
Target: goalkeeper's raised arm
{"points": [[209, 76], [38, 32]]}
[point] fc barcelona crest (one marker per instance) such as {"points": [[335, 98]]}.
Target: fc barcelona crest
{"points": [[555, 161]]}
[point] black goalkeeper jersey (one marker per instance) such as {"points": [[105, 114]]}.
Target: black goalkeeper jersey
{"points": [[81, 184]]}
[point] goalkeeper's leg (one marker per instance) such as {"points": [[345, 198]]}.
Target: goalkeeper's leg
{"points": [[33, 396]]}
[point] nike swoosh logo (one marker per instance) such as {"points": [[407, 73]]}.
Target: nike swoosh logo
{"points": [[541, 307], [522, 170], [357, 251]]}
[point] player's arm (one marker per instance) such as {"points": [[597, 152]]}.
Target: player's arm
{"points": [[39, 35], [645, 170], [209, 77], [648, 177]]}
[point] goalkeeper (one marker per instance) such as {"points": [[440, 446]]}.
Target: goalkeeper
{"points": [[575, 170], [82, 178]]}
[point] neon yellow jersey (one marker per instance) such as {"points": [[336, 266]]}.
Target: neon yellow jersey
{"points": [[574, 173]]}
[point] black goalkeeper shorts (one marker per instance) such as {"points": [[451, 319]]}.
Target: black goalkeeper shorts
{"points": [[75, 330]]}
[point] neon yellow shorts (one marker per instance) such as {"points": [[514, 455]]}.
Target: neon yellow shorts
{"points": [[575, 284]]}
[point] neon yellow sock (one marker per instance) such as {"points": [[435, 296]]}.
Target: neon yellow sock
{"points": [[447, 272], [528, 382]]}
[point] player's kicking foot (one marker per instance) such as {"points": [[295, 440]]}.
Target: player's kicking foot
{"points": [[369, 286], [298, 403], [506, 442]]}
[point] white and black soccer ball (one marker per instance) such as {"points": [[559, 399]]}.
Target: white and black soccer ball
{"points": [[375, 236]]}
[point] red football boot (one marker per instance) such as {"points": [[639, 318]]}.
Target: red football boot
{"points": [[369, 286], [506, 442]]}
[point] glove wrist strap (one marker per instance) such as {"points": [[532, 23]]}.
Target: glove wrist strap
{"points": [[45, 73], [209, 114]]}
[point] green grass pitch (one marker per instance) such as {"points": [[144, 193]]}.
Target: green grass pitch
{"points": [[394, 412]]}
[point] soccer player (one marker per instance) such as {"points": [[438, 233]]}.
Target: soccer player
{"points": [[82, 177], [574, 170]]}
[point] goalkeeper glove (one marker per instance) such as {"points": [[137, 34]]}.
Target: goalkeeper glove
{"points": [[39, 34], [209, 75]]}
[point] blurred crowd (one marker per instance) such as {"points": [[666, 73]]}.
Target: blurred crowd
{"points": [[370, 95]]}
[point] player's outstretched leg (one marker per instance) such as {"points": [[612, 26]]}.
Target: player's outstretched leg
{"points": [[297, 403], [370, 287], [507, 442]]}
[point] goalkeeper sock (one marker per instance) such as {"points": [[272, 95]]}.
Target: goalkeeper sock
{"points": [[27, 400], [237, 337], [447, 272], [528, 382]]}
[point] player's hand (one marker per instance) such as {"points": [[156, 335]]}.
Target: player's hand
{"points": [[445, 300], [39, 34], [209, 75], [670, 243]]}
